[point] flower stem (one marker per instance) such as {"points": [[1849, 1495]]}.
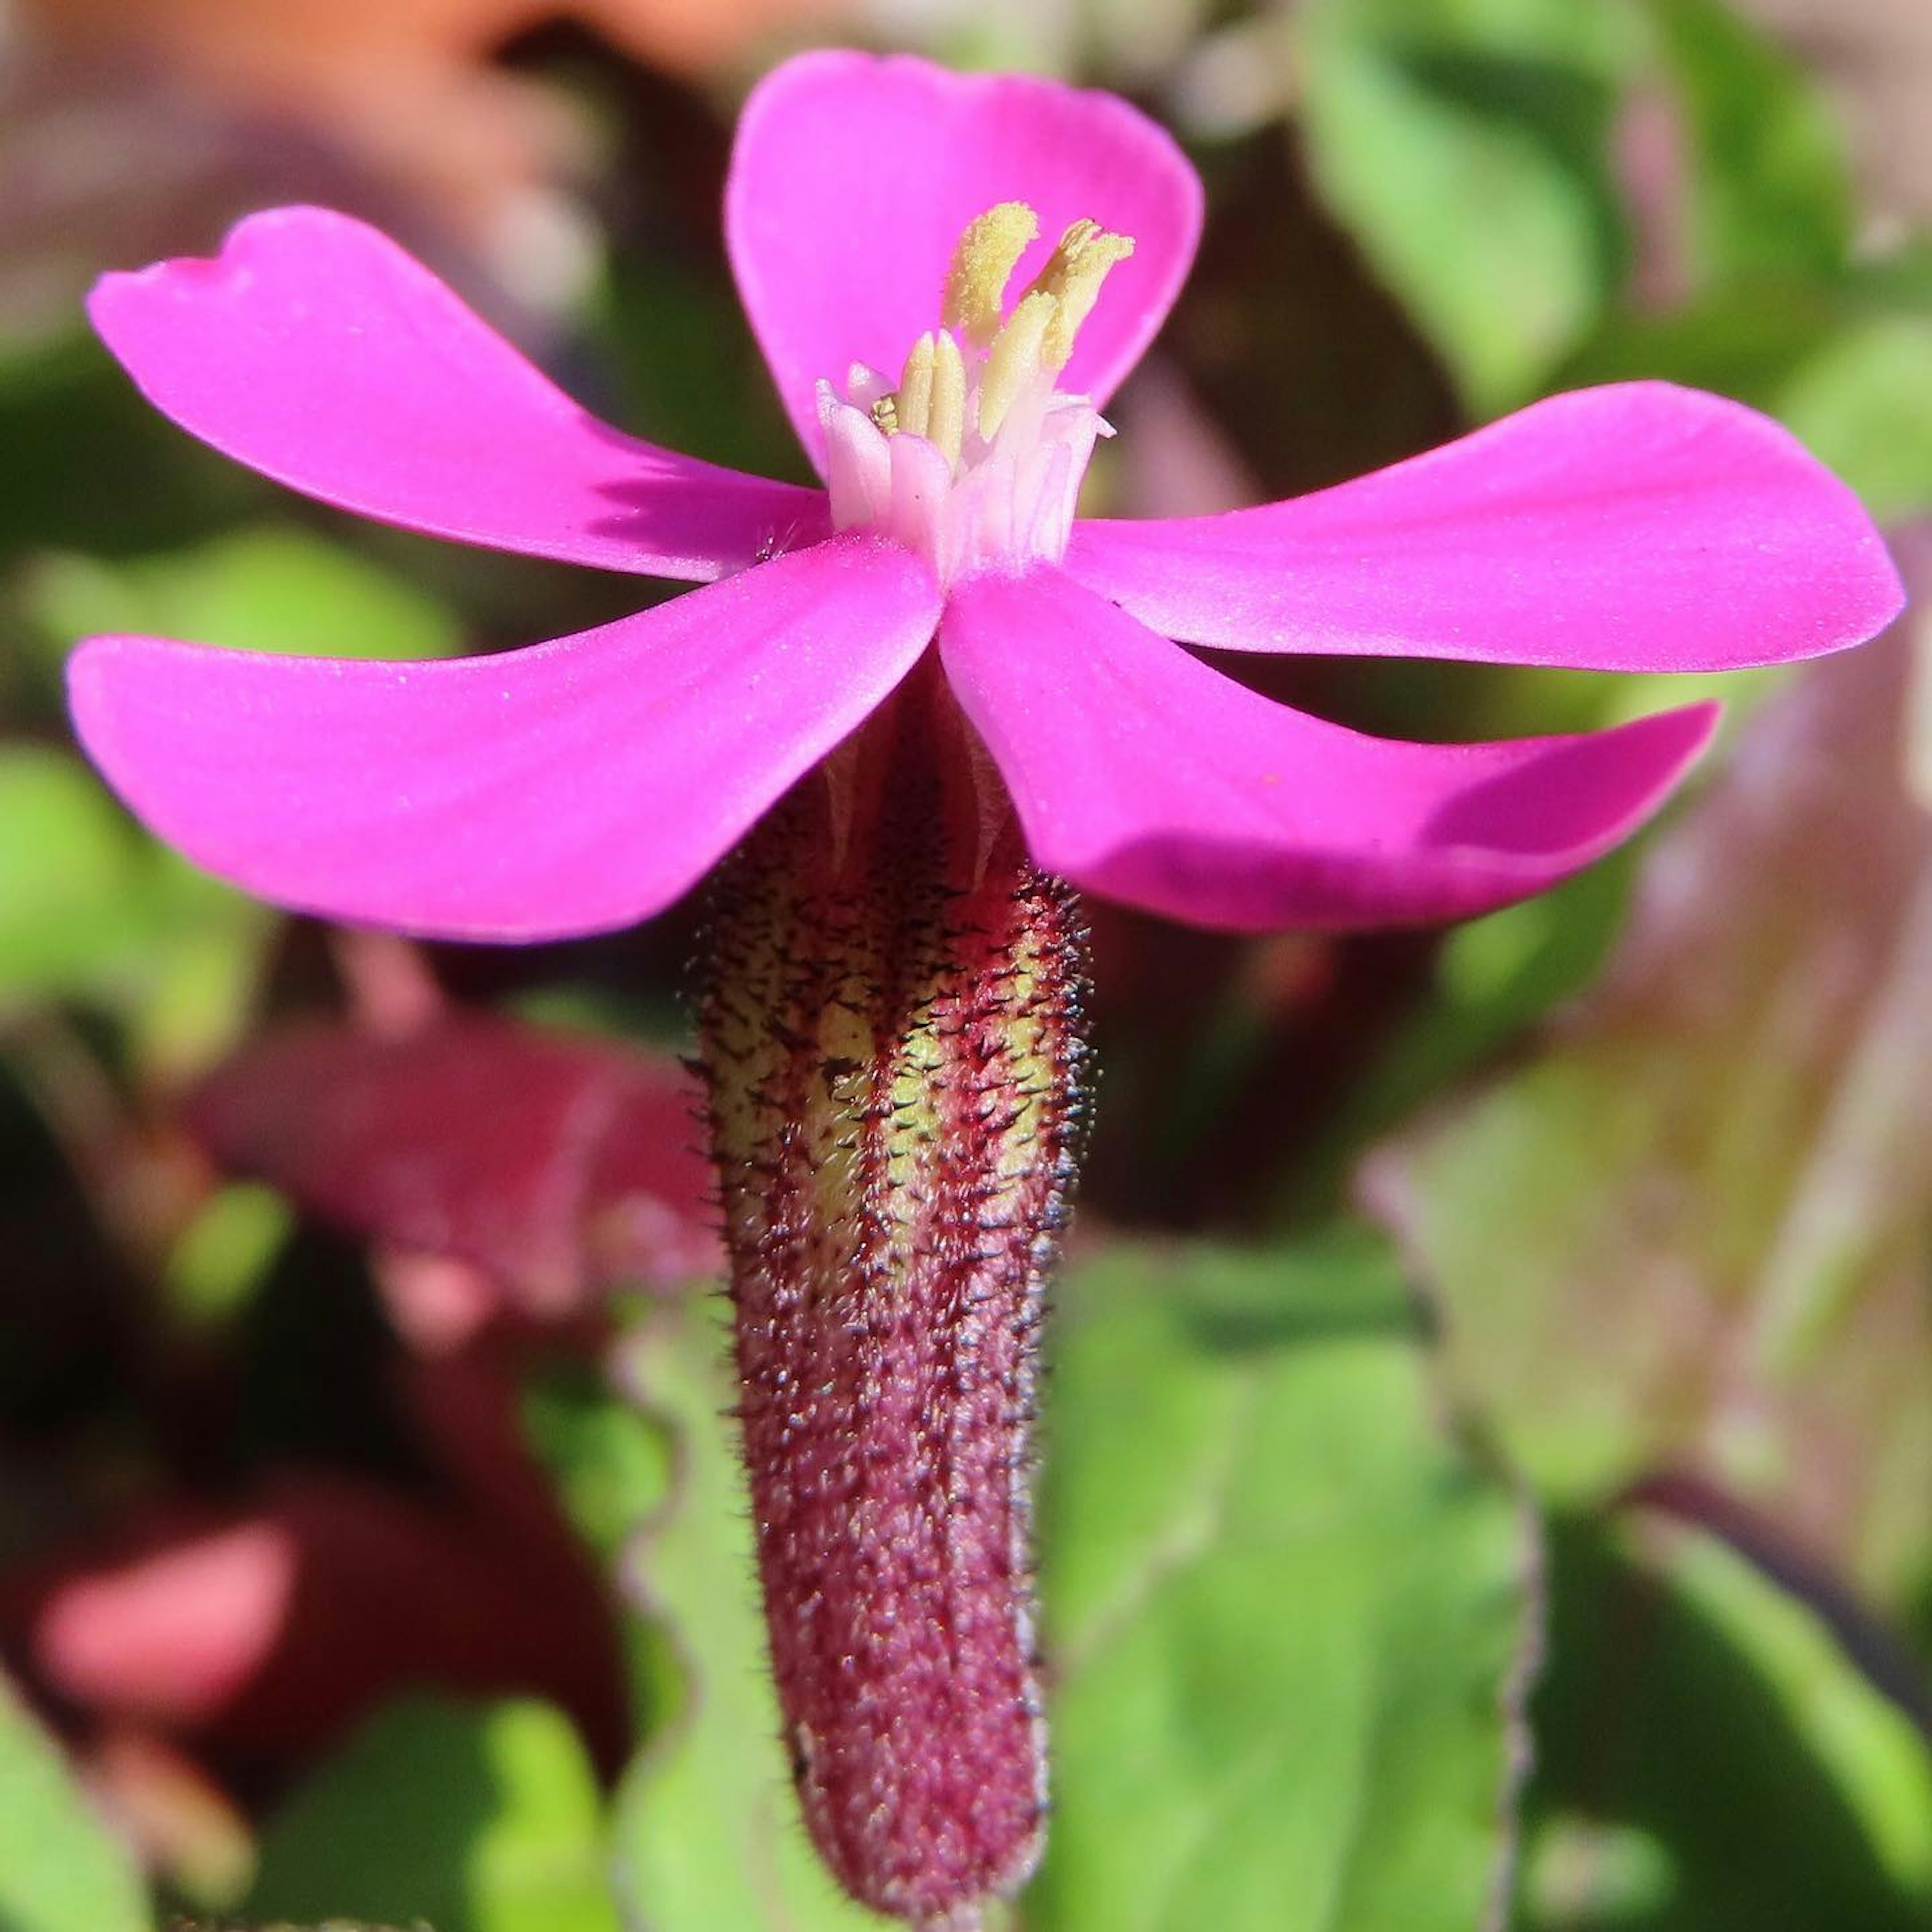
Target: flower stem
{"points": [[892, 1032]]}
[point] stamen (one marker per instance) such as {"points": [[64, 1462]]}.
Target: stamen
{"points": [[1073, 277], [982, 265], [946, 418], [915, 390], [1015, 360], [973, 455]]}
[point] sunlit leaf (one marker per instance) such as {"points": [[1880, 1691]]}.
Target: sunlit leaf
{"points": [[1285, 1621], [1286, 1615]]}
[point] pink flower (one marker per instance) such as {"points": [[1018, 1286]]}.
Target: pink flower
{"points": [[585, 783]]}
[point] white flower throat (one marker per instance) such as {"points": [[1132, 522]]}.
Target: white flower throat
{"points": [[975, 458]]}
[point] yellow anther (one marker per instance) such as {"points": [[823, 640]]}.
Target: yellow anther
{"points": [[1014, 360], [972, 372], [946, 414], [915, 389], [982, 265], [1072, 276]]}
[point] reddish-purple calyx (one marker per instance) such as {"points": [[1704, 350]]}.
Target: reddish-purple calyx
{"points": [[893, 1034]]}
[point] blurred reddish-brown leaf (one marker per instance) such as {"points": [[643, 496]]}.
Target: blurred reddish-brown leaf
{"points": [[406, 85], [1875, 58], [1693, 1228], [319, 43], [560, 1165], [266, 1630]]}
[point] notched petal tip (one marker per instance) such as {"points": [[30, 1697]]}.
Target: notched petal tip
{"points": [[854, 175], [228, 259], [316, 351]]}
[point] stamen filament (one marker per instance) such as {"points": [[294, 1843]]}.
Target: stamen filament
{"points": [[1015, 359], [946, 417], [915, 392]]}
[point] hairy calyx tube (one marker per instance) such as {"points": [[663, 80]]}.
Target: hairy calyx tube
{"points": [[891, 1031]]}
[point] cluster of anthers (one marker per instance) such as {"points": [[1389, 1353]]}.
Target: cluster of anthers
{"points": [[975, 458]]}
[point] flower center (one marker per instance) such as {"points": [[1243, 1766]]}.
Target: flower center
{"points": [[975, 458]]}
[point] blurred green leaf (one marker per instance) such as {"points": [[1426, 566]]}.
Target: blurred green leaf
{"points": [[1288, 1618], [193, 982], [1743, 341], [225, 1253], [473, 1818], [1779, 316], [107, 471], [1768, 188], [1695, 1228], [1496, 978], [691, 374], [1708, 1759], [1902, 275], [266, 587], [1465, 146], [60, 1870], [612, 1466], [1863, 404], [707, 1831], [71, 873], [91, 909], [1843, 367]]}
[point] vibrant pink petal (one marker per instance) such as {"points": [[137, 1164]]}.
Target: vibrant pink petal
{"points": [[315, 350], [1638, 527], [1144, 775], [854, 178], [570, 788]]}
